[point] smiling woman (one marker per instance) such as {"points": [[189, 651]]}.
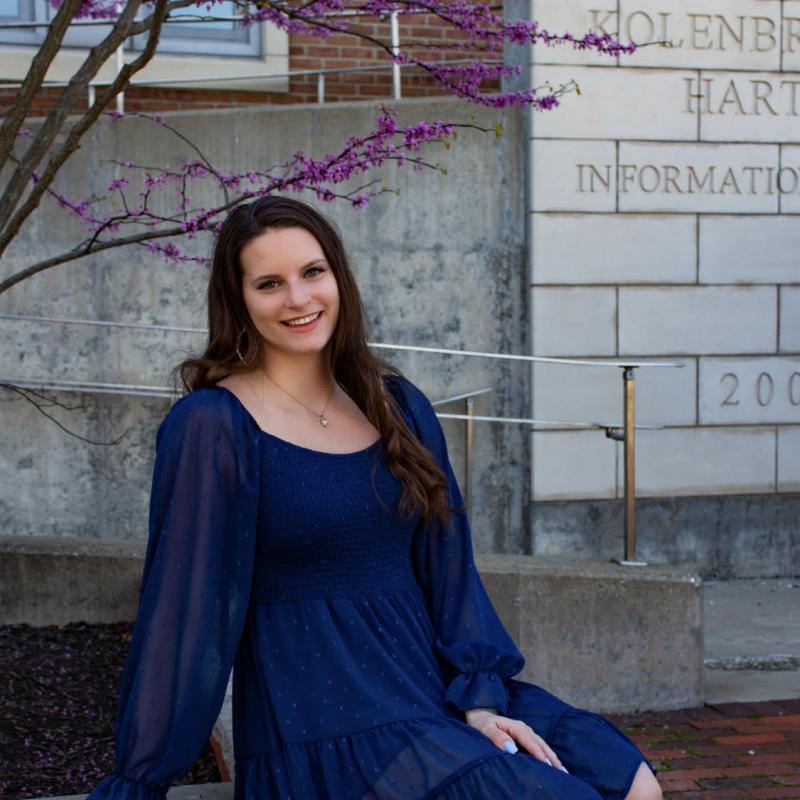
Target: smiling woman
{"points": [[332, 570], [288, 284]]}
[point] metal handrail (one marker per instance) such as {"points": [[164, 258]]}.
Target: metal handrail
{"points": [[624, 433], [144, 390], [93, 387], [464, 396], [469, 435], [244, 76], [183, 18], [388, 346]]}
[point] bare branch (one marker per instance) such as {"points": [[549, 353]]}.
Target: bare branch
{"points": [[47, 401], [93, 245], [56, 118], [84, 123], [82, 250], [36, 74], [209, 166]]}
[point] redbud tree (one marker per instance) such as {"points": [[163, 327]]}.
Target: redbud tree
{"points": [[127, 214]]}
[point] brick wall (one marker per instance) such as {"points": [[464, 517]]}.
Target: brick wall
{"points": [[421, 35]]}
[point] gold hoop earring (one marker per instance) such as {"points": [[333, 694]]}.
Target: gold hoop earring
{"points": [[238, 342]]}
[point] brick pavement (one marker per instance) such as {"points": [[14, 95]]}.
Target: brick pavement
{"points": [[723, 751]]}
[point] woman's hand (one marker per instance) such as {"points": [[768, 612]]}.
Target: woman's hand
{"points": [[502, 730]]}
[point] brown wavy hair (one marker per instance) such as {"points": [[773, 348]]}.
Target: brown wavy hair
{"points": [[353, 366]]}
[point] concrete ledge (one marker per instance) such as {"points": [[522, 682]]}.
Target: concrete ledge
{"points": [[600, 635], [47, 580]]}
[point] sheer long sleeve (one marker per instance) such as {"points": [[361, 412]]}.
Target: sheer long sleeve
{"points": [[194, 598], [476, 652]]}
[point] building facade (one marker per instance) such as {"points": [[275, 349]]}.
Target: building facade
{"points": [[665, 203]]}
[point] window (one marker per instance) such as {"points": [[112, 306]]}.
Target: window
{"points": [[218, 38], [213, 38], [192, 54], [18, 11]]}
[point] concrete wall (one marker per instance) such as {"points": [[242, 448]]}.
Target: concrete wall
{"points": [[665, 201], [442, 264]]}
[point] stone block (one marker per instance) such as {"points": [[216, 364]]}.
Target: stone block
{"points": [[572, 175], [749, 390], [574, 393], [697, 320], [710, 34], [614, 248], [752, 249], [698, 178], [745, 106], [789, 177], [703, 461], [654, 105], [573, 321], [791, 35], [577, 17], [790, 319], [572, 464]]}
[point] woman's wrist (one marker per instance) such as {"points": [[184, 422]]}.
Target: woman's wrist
{"points": [[471, 713]]}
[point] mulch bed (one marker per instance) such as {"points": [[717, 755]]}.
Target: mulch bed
{"points": [[58, 698]]}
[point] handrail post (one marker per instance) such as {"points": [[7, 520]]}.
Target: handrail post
{"points": [[629, 383], [321, 87], [627, 436], [469, 439]]}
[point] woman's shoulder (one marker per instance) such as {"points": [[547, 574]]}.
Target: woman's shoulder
{"points": [[411, 398], [208, 408], [208, 401]]}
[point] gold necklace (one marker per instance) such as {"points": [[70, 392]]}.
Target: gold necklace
{"points": [[323, 420]]}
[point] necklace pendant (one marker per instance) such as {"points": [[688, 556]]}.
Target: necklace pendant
{"points": [[323, 420]]}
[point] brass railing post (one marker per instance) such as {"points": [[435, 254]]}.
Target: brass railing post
{"points": [[629, 381], [628, 437]]}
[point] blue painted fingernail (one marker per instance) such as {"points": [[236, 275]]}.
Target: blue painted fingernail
{"points": [[510, 747], [548, 761], [565, 769]]}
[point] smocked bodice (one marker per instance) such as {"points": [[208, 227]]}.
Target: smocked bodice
{"points": [[350, 544]]}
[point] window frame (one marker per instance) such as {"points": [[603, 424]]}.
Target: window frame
{"points": [[252, 72]]}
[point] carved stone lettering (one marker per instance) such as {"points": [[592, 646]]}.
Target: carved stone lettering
{"points": [[742, 96], [731, 100], [689, 179], [791, 27], [764, 34], [760, 390], [601, 20], [698, 29]]}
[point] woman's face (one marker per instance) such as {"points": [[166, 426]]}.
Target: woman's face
{"points": [[285, 278]]}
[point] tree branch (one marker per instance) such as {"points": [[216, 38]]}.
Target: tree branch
{"points": [[36, 74], [90, 117], [56, 118]]}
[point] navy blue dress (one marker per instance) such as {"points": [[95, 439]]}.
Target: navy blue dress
{"points": [[356, 640]]}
